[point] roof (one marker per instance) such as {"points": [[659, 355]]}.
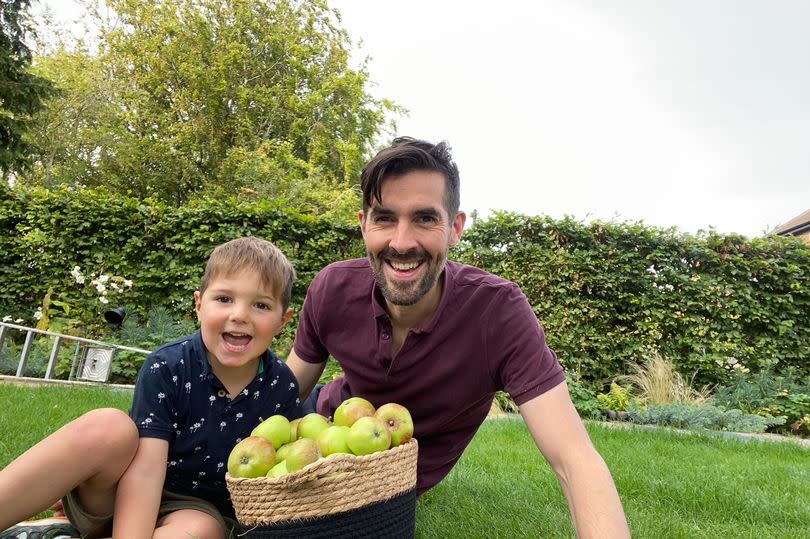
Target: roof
{"points": [[800, 223]]}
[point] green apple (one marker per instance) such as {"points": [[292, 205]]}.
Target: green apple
{"points": [[281, 454], [351, 410], [294, 429], [301, 452], [398, 420], [333, 440], [275, 428], [311, 425], [278, 470], [252, 457], [368, 435]]}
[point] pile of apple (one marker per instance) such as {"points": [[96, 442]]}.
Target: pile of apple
{"points": [[277, 446]]}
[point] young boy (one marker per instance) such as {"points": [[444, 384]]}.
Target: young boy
{"points": [[161, 470]]}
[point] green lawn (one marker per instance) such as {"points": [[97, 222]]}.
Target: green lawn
{"points": [[672, 486]]}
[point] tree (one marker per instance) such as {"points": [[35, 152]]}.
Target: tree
{"points": [[21, 92], [237, 96]]}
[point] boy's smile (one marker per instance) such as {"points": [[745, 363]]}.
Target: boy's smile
{"points": [[239, 317]]}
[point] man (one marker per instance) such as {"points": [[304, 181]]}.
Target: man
{"points": [[441, 338]]}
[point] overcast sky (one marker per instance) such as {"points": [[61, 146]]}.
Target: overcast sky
{"points": [[685, 113]]}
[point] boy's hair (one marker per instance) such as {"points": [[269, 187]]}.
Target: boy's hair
{"points": [[407, 154], [256, 254]]}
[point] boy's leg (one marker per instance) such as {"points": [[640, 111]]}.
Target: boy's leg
{"points": [[189, 516], [89, 454], [189, 523]]}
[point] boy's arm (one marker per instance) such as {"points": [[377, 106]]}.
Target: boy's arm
{"points": [[139, 491]]}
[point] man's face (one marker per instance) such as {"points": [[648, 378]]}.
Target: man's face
{"points": [[239, 317], [408, 235]]}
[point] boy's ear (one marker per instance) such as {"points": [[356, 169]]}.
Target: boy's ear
{"points": [[284, 319], [197, 302]]}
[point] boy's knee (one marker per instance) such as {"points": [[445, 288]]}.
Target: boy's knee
{"points": [[192, 523], [108, 431]]}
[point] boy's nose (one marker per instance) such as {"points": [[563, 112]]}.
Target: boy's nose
{"points": [[239, 312]]}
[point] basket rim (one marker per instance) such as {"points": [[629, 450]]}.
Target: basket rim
{"points": [[324, 462]]}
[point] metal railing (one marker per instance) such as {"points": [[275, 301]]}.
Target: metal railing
{"points": [[92, 359]]}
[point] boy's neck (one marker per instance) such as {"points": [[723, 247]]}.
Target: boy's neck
{"points": [[235, 379]]}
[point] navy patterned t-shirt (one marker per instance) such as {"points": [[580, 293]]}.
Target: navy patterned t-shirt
{"points": [[179, 399]]}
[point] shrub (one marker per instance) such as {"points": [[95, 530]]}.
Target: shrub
{"points": [[583, 398], [658, 382], [693, 416], [605, 292], [769, 393], [618, 398]]}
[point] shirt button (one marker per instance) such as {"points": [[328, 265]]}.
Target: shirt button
{"points": [[386, 336], [221, 393]]}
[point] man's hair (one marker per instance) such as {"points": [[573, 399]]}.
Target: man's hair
{"points": [[255, 254], [407, 154]]}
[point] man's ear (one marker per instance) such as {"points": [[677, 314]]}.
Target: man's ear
{"points": [[197, 302], [361, 216], [457, 228]]}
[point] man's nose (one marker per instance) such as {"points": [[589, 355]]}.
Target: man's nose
{"points": [[403, 238]]}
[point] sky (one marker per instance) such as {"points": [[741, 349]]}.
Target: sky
{"points": [[692, 114]]}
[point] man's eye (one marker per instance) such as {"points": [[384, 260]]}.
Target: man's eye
{"points": [[383, 219], [427, 219]]}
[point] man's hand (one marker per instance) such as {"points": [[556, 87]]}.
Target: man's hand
{"points": [[560, 435]]}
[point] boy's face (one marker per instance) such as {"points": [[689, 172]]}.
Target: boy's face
{"points": [[239, 317]]}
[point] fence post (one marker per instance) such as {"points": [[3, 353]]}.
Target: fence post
{"points": [[2, 337], [52, 360], [29, 339]]}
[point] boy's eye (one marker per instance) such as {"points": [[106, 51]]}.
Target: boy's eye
{"points": [[222, 299], [263, 306]]}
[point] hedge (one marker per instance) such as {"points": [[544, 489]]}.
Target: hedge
{"points": [[605, 292]]}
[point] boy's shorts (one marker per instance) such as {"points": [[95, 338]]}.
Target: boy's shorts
{"points": [[92, 526]]}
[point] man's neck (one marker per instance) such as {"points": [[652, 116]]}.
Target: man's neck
{"points": [[410, 316]]}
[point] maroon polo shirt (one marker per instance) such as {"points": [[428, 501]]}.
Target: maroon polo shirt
{"points": [[484, 337]]}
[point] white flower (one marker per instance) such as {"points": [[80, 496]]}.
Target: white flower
{"points": [[114, 286], [38, 313], [7, 318], [18, 321], [77, 274], [100, 287], [103, 299], [127, 283], [732, 361], [103, 278]]}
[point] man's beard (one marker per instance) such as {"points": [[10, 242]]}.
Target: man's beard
{"points": [[409, 294]]}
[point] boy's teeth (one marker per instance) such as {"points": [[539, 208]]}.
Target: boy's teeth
{"points": [[401, 266]]}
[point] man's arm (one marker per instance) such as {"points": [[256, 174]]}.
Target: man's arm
{"points": [[586, 481], [137, 498], [306, 373]]}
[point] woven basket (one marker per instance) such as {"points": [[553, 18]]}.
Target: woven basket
{"points": [[332, 485]]}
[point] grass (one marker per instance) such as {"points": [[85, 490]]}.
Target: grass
{"points": [[672, 485]]}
